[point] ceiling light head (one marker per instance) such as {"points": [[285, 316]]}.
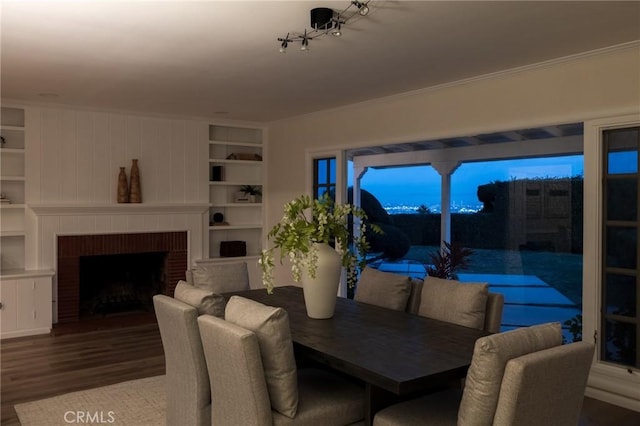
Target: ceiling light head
{"points": [[305, 42], [285, 43], [337, 27], [363, 9]]}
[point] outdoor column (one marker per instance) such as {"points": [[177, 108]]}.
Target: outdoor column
{"points": [[445, 169], [358, 173]]}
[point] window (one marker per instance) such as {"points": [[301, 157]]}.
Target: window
{"points": [[525, 230], [620, 294], [518, 204], [324, 177]]}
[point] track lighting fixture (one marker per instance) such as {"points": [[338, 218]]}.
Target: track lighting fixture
{"points": [[324, 21]]}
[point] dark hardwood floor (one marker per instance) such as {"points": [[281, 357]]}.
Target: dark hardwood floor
{"points": [[74, 358], [38, 367]]}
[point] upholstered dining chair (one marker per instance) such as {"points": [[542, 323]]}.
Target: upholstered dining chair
{"points": [[220, 277], [524, 377], [188, 391], [384, 289], [468, 304], [254, 380]]}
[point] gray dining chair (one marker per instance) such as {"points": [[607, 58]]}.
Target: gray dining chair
{"points": [[383, 289], [220, 277], [188, 391], [455, 301], [240, 392], [524, 377]]}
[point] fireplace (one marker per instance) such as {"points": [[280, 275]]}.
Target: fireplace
{"points": [[120, 283], [114, 273]]}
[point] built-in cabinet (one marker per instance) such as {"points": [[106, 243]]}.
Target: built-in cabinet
{"points": [[25, 296], [26, 303], [236, 164]]}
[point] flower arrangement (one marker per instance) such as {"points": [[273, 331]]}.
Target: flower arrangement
{"points": [[307, 222]]}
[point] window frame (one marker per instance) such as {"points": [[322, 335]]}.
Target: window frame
{"points": [[612, 383]]}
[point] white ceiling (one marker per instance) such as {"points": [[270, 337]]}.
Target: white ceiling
{"points": [[220, 59]]}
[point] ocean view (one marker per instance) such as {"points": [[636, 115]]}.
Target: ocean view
{"points": [[456, 207]]}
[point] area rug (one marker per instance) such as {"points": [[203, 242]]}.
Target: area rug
{"points": [[133, 403]]}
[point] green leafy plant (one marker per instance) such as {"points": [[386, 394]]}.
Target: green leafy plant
{"points": [[307, 222], [575, 327], [251, 189], [445, 263]]}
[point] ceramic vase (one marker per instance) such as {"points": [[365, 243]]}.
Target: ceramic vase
{"points": [[123, 187], [135, 195], [321, 292]]}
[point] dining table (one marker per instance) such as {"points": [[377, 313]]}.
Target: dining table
{"points": [[396, 355]]}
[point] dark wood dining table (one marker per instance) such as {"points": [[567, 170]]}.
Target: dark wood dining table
{"points": [[395, 354]]}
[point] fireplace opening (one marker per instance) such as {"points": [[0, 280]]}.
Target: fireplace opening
{"points": [[117, 284]]}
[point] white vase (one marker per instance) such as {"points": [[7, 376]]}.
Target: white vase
{"points": [[321, 292]]}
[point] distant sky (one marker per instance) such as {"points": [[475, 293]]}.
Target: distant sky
{"points": [[416, 185]]}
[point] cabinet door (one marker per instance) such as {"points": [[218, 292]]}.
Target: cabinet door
{"points": [[9, 311], [34, 299]]}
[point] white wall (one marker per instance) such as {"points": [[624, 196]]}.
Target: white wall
{"points": [[572, 90], [74, 156]]}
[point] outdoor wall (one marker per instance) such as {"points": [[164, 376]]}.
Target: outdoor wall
{"points": [[569, 90]]}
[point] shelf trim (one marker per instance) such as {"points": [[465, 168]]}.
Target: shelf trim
{"points": [[231, 227], [12, 178], [235, 205], [12, 234], [251, 144], [225, 161], [217, 259], [12, 150], [104, 209], [19, 128], [232, 183], [12, 206]]}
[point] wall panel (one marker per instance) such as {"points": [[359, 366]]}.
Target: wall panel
{"points": [[68, 158]]}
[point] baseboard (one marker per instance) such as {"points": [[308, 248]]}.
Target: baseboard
{"points": [[24, 333], [612, 398]]}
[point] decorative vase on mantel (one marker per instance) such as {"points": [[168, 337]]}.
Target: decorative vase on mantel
{"points": [[123, 187], [321, 292], [135, 195]]}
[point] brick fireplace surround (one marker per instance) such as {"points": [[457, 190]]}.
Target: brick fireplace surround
{"points": [[72, 247]]}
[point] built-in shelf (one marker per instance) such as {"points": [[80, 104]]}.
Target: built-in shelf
{"points": [[225, 205], [11, 150], [230, 183], [13, 183], [228, 227], [18, 128], [235, 258], [232, 143], [12, 234], [224, 160], [99, 209]]}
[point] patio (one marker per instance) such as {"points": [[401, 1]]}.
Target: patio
{"points": [[528, 299]]}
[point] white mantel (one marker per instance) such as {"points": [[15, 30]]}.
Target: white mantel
{"points": [[115, 209]]}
